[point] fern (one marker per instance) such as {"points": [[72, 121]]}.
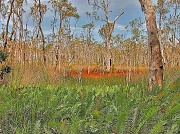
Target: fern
{"points": [[158, 127], [173, 110], [148, 114], [174, 129], [81, 108], [37, 127]]}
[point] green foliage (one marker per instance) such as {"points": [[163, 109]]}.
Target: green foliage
{"points": [[3, 56], [106, 31], [5, 69], [85, 108]]}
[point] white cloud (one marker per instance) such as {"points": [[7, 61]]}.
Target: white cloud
{"points": [[120, 27]]}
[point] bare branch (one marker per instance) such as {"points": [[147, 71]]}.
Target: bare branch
{"points": [[120, 13], [101, 19], [95, 4]]}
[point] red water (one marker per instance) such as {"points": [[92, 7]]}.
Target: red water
{"points": [[100, 74]]}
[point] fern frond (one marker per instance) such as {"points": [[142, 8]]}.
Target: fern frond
{"points": [[158, 127], [145, 117]]}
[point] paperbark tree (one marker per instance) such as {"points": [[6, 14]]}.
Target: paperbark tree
{"points": [[161, 11], [65, 11], [174, 19], [88, 36], [107, 29], [7, 24], [37, 12], [20, 10], [155, 58]]}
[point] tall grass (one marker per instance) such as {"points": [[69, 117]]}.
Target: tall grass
{"points": [[38, 74], [94, 106]]}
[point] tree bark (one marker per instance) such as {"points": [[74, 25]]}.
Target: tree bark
{"points": [[7, 24], [41, 31], [108, 56], [155, 59]]}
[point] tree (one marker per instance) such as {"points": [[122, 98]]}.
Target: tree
{"points": [[7, 23], [37, 12], [161, 11], [174, 19], [65, 11], [137, 31], [87, 35], [107, 29], [155, 58]]}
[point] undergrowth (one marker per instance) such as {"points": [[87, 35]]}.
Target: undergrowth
{"points": [[101, 106]]}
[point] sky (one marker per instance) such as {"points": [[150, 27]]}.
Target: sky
{"points": [[131, 10]]}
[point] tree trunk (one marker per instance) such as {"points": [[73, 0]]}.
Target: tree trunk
{"points": [[160, 31], [41, 31], [108, 56], [21, 34], [7, 24], [155, 59]]}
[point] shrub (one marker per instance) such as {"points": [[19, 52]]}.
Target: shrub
{"points": [[5, 69]]}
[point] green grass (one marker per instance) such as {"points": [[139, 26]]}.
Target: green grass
{"points": [[101, 106]]}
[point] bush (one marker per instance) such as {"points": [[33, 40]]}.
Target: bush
{"points": [[5, 69]]}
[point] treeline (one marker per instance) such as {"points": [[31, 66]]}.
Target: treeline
{"points": [[61, 49]]}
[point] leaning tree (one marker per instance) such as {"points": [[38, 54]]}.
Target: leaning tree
{"points": [[155, 58]]}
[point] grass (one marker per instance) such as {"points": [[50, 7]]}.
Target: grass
{"points": [[93, 106]]}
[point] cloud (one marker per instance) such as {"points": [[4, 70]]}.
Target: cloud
{"points": [[120, 27]]}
